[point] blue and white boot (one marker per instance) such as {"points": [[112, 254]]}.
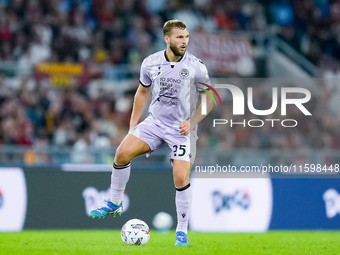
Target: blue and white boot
{"points": [[181, 239], [109, 208]]}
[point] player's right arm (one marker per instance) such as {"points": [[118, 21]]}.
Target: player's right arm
{"points": [[141, 99], [142, 94]]}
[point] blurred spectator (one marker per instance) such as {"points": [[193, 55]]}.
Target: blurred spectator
{"points": [[65, 134], [81, 150], [38, 51]]}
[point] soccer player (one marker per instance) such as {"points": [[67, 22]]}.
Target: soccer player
{"points": [[175, 78]]}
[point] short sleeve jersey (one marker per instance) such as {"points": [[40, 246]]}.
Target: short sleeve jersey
{"points": [[175, 86]]}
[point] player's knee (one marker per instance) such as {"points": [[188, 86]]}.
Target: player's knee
{"points": [[121, 157], [181, 179]]}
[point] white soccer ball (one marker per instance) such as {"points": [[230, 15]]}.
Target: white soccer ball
{"points": [[135, 232], [162, 222]]}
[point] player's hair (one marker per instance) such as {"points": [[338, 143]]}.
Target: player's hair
{"points": [[170, 24]]}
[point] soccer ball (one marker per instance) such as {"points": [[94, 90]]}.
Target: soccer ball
{"points": [[135, 232], [162, 222]]}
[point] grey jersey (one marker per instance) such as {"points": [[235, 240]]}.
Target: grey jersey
{"points": [[174, 85]]}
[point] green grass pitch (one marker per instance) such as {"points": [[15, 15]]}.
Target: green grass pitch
{"points": [[109, 242]]}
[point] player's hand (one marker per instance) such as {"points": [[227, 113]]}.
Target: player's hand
{"points": [[184, 128]]}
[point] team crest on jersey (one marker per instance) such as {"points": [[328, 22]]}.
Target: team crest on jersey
{"points": [[184, 73]]}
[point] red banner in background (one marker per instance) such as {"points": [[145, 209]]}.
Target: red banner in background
{"points": [[62, 74], [222, 54]]}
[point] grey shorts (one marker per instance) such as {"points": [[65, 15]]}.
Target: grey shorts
{"points": [[154, 133]]}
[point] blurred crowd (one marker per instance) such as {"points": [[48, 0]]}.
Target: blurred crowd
{"points": [[319, 131], [71, 119], [112, 31], [63, 118], [310, 26], [124, 32]]}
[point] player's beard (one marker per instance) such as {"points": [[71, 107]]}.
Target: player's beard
{"points": [[175, 50]]}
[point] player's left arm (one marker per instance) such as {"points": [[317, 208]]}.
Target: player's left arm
{"points": [[202, 78], [187, 125]]}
